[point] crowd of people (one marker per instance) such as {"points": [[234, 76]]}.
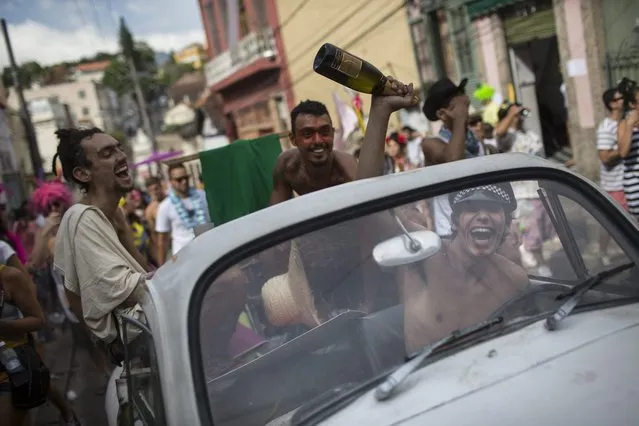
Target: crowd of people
{"points": [[86, 261]]}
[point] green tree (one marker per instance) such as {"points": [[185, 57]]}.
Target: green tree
{"points": [[117, 77], [127, 45], [28, 73]]}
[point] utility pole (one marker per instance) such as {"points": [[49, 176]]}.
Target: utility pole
{"points": [[25, 116], [146, 122]]}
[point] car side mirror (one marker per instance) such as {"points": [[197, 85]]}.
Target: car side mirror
{"points": [[410, 247]]}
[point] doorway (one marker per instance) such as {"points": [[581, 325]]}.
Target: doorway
{"points": [[538, 84]]}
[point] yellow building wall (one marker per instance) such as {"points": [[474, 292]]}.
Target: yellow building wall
{"points": [[388, 45]]}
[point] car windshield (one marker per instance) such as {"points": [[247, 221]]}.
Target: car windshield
{"points": [[344, 303]]}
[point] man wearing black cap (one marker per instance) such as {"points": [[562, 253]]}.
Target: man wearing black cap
{"points": [[468, 279], [449, 103]]}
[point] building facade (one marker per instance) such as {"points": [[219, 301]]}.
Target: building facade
{"points": [[47, 116], [554, 56], [376, 31], [90, 103], [90, 71], [193, 54], [250, 74]]}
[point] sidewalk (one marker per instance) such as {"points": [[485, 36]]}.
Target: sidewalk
{"points": [[85, 381]]}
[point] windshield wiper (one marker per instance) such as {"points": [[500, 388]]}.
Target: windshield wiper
{"points": [[387, 388], [575, 294]]}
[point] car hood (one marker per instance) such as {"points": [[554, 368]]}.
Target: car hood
{"points": [[584, 373]]}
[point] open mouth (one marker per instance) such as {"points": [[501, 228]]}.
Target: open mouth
{"points": [[318, 149], [482, 233], [122, 171]]}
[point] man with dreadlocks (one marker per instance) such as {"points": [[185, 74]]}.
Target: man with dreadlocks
{"points": [[95, 250]]}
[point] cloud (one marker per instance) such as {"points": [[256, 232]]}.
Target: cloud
{"points": [[35, 41], [133, 7], [46, 4]]}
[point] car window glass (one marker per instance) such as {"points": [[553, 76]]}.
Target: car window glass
{"points": [[329, 308]]}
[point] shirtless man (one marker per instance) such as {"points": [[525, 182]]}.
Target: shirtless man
{"points": [[312, 165], [468, 279]]}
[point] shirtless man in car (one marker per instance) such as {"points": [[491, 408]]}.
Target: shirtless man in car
{"points": [[312, 165], [468, 279]]}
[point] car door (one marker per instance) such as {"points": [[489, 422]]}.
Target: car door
{"points": [[141, 377]]}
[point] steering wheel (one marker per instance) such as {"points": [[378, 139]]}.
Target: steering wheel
{"points": [[530, 292]]}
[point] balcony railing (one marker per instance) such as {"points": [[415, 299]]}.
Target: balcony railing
{"points": [[256, 45]]}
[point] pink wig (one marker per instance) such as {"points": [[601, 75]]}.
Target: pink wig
{"points": [[48, 193]]}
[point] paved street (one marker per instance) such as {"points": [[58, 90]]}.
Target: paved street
{"points": [[85, 381]]}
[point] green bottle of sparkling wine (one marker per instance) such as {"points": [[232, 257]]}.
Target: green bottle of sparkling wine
{"points": [[348, 70]]}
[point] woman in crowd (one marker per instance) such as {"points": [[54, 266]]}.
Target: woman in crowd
{"points": [[534, 222], [396, 149], [12, 240], [50, 200], [20, 315], [25, 228], [133, 207]]}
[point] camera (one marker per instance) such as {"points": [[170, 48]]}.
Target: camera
{"points": [[627, 88]]}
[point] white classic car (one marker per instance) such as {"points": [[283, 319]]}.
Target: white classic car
{"points": [[352, 312]]}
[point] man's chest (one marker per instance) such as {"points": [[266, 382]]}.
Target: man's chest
{"points": [[304, 184], [459, 295]]}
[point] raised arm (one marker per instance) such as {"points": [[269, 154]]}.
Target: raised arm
{"points": [[438, 152], [371, 156], [624, 133], [22, 292]]}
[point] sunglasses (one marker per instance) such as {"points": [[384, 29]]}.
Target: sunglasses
{"points": [[181, 179]]}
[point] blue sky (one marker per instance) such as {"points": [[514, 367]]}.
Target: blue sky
{"points": [[51, 31]]}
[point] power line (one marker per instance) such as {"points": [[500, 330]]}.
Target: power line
{"points": [[292, 15], [357, 38], [330, 31], [97, 19], [77, 6]]}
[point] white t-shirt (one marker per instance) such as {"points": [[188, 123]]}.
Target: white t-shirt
{"points": [[168, 220], [414, 152], [6, 251], [440, 206], [611, 177]]}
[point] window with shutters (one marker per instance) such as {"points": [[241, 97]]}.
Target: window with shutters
{"points": [[461, 35]]}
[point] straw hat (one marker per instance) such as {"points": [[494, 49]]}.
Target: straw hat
{"points": [[288, 298]]}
